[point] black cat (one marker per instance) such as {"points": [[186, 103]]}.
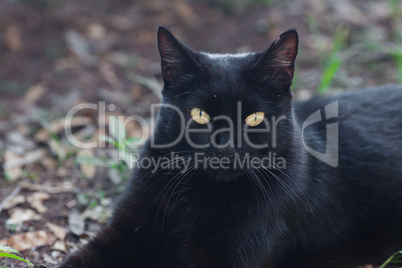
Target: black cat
{"points": [[246, 178]]}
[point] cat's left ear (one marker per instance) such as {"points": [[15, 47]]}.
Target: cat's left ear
{"points": [[176, 58], [278, 60]]}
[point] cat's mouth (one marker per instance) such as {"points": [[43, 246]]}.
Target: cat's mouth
{"points": [[227, 168], [224, 174], [221, 168]]}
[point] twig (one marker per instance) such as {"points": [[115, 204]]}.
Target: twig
{"points": [[48, 189], [29, 158]]}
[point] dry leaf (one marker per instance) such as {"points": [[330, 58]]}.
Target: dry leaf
{"points": [[19, 215], [9, 197], [96, 31], [58, 231], [13, 163], [48, 259], [98, 213], [34, 93], [18, 199], [76, 222], [49, 163], [60, 246], [36, 201], [69, 62], [13, 38], [64, 187], [17, 143], [12, 160], [62, 172], [21, 242], [114, 175], [12, 172]]}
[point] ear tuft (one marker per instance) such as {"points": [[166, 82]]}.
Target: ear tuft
{"points": [[278, 61], [175, 57]]}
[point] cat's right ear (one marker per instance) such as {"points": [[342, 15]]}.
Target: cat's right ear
{"points": [[176, 58]]}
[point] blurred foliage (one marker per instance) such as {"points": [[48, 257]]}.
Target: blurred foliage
{"points": [[237, 6]]}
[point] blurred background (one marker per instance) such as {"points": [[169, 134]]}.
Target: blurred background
{"points": [[55, 54]]}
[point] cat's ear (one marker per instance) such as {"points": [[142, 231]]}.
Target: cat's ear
{"points": [[278, 60], [176, 58]]}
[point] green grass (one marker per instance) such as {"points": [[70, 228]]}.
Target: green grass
{"points": [[31, 175], [7, 252], [329, 61], [395, 258], [333, 62], [396, 54], [397, 57]]}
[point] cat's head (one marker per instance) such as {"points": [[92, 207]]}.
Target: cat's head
{"points": [[227, 107]]}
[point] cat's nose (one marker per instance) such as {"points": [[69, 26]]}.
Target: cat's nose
{"points": [[224, 146], [227, 151]]}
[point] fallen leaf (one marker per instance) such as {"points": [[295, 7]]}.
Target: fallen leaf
{"points": [[60, 246], [19, 215], [58, 231], [48, 259], [114, 175], [12, 160], [96, 31], [62, 172], [64, 187], [49, 163], [18, 199], [18, 143], [15, 172], [98, 213], [34, 93], [13, 38], [36, 201], [21, 242], [10, 196], [76, 222]]}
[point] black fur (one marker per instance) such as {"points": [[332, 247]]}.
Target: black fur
{"points": [[309, 214]]}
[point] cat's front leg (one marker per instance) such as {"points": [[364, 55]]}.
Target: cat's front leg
{"points": [[111, 248]]}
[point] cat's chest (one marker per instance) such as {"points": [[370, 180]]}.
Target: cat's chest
{"points": [[213, 232]]}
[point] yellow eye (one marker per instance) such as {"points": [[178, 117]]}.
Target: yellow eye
{"points": [[200, 116], [254, 119]]}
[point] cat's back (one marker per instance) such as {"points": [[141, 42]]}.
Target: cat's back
{"points": [[379, 101], [368, 139], [366, 181], [369, 126], [369, 119]]}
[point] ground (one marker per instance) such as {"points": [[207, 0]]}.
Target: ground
{"points": [[56, 54]]}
